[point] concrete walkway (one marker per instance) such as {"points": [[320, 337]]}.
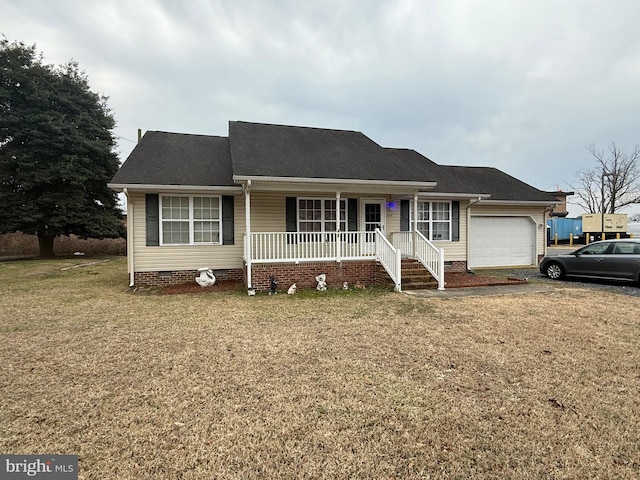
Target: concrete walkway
{"points": [[481, 291]]}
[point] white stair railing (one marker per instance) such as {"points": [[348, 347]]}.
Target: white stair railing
{"points": [[416, 245], [390, 258], [431, 257]]}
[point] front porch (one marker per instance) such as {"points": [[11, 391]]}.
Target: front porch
{"points": [[365, 257]]}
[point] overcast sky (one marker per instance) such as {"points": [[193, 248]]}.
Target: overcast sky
{"points": [[524, 86]]}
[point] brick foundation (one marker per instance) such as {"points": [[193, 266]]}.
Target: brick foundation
{"points": [[304, 274], [368, 273], [175, 277], [456, 266]]}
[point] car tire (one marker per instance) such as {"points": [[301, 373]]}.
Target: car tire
{"points": [[554, 271]]}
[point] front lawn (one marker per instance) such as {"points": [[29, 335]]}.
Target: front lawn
{"points": [[370, 384]]}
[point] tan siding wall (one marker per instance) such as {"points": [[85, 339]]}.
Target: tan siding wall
{"points": [[457, 251], [453, 251], [268, 212], [393, 219], [185, 257], [537, 213], [268, 215]]}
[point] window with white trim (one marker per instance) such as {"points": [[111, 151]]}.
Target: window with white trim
{"points": [[434, 220], [186, 220], [319, 215]]}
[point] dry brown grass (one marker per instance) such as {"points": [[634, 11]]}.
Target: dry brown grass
{"points": [[364, 385]]}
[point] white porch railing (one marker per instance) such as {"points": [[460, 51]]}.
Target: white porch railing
{"points": [[269, 247], [277, 247], [425, 252]]}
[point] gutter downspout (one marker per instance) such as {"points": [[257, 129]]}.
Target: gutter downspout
{"points": [[338, 232], [471, 203], [247, 230], [130, 251]]}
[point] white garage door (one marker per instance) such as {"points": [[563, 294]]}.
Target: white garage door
{"points": [[502, 241]]}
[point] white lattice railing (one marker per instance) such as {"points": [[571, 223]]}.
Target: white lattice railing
{"points": [[416, 245]]}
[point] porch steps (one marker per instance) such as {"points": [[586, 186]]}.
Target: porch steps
{"points": [[415, 276]]}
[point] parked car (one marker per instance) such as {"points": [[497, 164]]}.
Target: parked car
{"points": [[615, 259]]}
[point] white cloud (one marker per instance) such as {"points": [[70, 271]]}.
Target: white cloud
{"points": [[522, 86]]}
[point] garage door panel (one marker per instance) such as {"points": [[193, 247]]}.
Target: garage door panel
{"points": [[501, 241]]}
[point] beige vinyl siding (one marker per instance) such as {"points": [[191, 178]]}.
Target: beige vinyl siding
{"points": [[453, 251], [393, 217], [456, 251], [187, 257], [536, 213], [268, 209], [268, 212]]}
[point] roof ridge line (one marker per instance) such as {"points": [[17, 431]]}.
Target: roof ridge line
{"points": [[300, 126]]}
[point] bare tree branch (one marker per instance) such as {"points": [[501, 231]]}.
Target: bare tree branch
{"points": [[614, 182]]}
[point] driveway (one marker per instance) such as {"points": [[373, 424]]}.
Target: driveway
{"points": [[613, 286], [536, 283], [535, 277]]}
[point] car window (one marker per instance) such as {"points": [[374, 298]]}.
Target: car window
{"points": [[595, 249], [626, 248]]}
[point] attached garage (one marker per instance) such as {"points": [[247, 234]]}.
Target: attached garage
{"points": [[501, 241]]}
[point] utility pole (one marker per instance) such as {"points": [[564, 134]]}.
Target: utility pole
{"points": [[608, 175]]}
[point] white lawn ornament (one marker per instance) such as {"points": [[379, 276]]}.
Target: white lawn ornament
{"points": [[292, 289], [322, 282], [206, 278], [345, 286]]}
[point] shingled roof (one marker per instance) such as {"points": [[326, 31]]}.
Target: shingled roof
{"points": [[279, 151], [259, 149], [487, 180], [162, 158]]}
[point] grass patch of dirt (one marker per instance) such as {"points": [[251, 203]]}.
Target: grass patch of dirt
{"points": [[368, 384]]}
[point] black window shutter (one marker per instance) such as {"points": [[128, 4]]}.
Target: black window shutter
{"points": [[291, 206], [455, 221], [152, 219], [227, 220], [292, 214], [404, 216], [352, 214]]}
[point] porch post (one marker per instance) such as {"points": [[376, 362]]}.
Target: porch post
{"points": [[338, 232], [247, 229], [415, 223], [441, 268]]}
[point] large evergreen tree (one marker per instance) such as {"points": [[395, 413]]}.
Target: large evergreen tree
{"points": [[57, 151]]}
